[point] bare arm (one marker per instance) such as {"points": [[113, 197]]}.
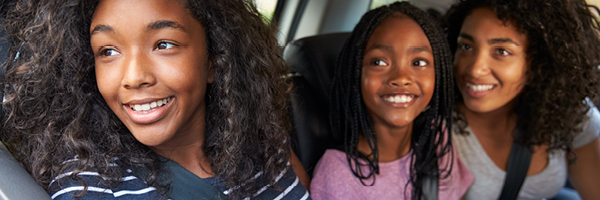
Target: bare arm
{"points": [[585, 172], [300, 171]]}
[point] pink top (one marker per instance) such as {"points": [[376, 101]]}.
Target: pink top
{"points": [[333, 179]]}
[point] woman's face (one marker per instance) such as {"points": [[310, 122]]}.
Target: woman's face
{"points": [[398, 73], [152, 69], [490, 62]]}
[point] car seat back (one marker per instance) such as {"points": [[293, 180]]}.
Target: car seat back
{"points": [[312, 61]]}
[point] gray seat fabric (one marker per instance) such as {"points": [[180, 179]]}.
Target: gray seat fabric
{"points": [[15, 182]]}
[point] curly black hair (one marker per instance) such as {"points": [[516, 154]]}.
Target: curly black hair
{"points": [[564, 55], [430, 139], [54, 111]]}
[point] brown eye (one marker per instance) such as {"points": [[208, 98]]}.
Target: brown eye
{"points": [[420, 63], [502, 52], [108, 52], [164, 45], [379, 63], [465, 47]]}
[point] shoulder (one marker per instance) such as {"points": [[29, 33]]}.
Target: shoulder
{"points": [[590, 127], [332, 177], [88, 183], [331, 163], [455, 185]]}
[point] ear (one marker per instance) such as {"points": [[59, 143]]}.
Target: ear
{"points": [[211, 72]]}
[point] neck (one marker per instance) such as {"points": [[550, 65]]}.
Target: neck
{"points": [[188, 154], [499, 123], [393, 143]]}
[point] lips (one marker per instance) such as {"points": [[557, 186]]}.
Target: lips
{"points": [[148, 111]]}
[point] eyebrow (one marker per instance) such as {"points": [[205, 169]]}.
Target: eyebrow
{"points": [[502, 40], [164, 24], [413, 49], [152, 26], [490, 41], [101, 29]]}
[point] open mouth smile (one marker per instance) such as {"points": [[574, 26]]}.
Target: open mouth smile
{"points": [[149, 107]]}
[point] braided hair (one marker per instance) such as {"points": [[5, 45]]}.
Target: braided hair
{"points": [[349, 116]]}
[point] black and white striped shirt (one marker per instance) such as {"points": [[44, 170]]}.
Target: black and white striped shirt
{"points": [[287, 186]]}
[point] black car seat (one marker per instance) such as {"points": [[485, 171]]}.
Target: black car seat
{"points": [[312, 61]]}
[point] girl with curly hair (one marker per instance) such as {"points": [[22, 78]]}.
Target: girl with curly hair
{"points": [[525, 70], [392, 106], [148, 99]]}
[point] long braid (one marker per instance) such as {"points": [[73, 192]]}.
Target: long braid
{"points": [[349, 116]]}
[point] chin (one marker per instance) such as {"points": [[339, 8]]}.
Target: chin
{"points": [[478, 107]]}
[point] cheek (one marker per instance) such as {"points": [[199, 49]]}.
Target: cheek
{"points": [[369, 86], [427, 83], [516, 75], [106, 82]]}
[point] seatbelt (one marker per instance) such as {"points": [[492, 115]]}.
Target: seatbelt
{"points": [[430, 188], [516, 171]]}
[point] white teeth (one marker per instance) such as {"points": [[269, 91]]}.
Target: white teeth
{"points": [[479, 88], [147, 107], [399, 98]]}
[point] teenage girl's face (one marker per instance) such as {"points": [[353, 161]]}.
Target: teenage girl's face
{"points": [[152, 68], [490, 62], [398, 73]]}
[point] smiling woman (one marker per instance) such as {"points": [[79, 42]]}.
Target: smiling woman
{"points": [[525, 70], [148, 99]]}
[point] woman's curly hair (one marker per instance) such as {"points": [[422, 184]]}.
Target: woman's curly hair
{"points": [[430, 140], [54, 111], [564, 55]]}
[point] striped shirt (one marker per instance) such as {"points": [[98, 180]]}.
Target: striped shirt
{"points": [[287, 186]]}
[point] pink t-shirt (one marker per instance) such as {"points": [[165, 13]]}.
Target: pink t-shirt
{"points": [[333, 179]]}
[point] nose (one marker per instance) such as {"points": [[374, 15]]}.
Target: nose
{"points": [[138, 71], [400, 76], [478, 65]]}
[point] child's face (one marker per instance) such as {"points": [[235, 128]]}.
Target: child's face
{"points": [[490, 63], [152, 68], [398, 74]]}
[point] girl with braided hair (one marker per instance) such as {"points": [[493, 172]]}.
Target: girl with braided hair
{"points": [[524, 69], [392, 104], [148, 99]]}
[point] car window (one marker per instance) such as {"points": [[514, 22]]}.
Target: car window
{"points": [[266, 8], [378, 3]]}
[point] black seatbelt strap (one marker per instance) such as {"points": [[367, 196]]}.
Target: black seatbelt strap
{"points": [[516, 171], [430, 188]]}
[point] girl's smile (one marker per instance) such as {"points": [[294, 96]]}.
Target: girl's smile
{"points": [[148, 110]]}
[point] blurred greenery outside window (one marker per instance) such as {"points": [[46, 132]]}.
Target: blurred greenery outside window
{"points": [[266, 8], [378, 3]]}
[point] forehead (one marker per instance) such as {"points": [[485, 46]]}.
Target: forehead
{"points": [[483, 23], [134, 14], [399, 29]]}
